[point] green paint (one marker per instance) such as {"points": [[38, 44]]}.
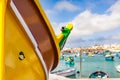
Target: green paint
{"points": [[65, 31]]}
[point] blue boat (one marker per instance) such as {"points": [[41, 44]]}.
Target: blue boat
{"points": [[99, 74], [69, 60], [109, 56]]}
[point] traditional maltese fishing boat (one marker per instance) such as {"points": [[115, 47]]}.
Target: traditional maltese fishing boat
{"points": [[31, 49]]}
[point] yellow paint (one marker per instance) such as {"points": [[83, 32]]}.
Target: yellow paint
{"points": [[60, 37], [90, 54], [21, 67], [70, 26], [16, 41], [49, 26], [2, 10]]}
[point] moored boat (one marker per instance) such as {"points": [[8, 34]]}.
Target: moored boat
{"points": [[70, 60], [90, 54], [109, 56], [65, 72], [99, 74], [117, 68]]}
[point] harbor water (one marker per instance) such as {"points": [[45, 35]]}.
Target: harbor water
{"points": [[90, 64]]}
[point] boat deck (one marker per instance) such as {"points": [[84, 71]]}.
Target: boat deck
{"points": [[56, 77]]}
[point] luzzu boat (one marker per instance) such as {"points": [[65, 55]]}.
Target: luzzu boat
{"points": [[31, 49], [69, 60]]}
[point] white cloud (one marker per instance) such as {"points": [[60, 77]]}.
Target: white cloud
{"points": [[64, 5], [56, 28], [115, 8], [87, 23], [59, 6], [50, 11]]}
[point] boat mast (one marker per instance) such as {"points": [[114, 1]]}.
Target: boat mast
{"points": [[81, 63]]}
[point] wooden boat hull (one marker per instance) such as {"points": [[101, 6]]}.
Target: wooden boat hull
{"points": [[30, 48]]}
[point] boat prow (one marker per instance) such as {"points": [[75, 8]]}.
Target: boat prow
{"points": [[30, 48]]}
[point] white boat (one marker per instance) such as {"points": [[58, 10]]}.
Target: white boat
{"points": [[65, 72], [118, 68], [109, 55]]}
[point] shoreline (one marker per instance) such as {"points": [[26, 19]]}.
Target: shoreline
{"points": [[57, 77]]}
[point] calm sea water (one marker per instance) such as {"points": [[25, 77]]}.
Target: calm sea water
{"points": [[92, 64]]}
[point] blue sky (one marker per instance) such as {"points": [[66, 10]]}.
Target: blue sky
{"points": [[94, 21], [62, 14]]}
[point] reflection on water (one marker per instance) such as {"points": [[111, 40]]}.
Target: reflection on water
{"points": [[90, 65]]}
